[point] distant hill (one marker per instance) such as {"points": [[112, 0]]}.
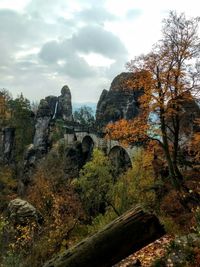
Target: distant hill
{"points": [[77, 105]]}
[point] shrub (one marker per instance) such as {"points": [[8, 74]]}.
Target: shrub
{"points": [[95, 183], [53, 195], [8, 186], [137, 185]]}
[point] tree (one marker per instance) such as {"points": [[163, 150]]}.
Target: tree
{"points": [[84, 116], [5, 94], [5, 97], [22, 119], [114, 242], [133, 187], [94, 183], [53, 195], [169, 76]]}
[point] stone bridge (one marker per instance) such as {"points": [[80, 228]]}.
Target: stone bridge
{"points": [[120, 156]]}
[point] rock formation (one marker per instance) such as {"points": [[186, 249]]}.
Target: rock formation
{"points": [[22, 212], [7, 145], [64, 108], [74, 160], [42, 126], [57, 107], [30, 159], [119, 102], [189, 113], [50, 109]]}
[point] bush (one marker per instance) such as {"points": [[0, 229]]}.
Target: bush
{"points": [[53, 195], [137, 185], [95, 183], [8, 186], [58, 131]]}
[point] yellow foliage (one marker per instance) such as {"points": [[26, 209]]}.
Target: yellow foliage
{"points": [[136, 185], [61, 210], [168, 77]]}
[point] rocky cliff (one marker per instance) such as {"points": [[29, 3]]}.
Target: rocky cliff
{"points": [[51, 108], [121, 101], [7, 144], [188, 115]]}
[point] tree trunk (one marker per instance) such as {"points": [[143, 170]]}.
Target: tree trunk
{"points": [[173, 169], [125, 235]]}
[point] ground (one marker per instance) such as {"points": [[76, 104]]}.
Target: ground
{"points": [[148, 254]]}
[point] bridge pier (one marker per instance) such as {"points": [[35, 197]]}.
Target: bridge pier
{"points": [[69, 139]]}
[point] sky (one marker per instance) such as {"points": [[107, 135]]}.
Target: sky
{"points": [[46, 44]]}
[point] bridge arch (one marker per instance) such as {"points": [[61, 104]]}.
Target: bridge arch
{"points": [[120, 159], [87, 147]]}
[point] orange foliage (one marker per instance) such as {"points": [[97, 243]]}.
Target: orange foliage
{"points": [[24, 238], [59, 206], [128, 132], [167, 80]]}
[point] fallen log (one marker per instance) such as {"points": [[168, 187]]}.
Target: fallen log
{"points": [[125, 235]]}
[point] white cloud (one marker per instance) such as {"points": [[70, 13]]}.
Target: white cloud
{"points": [[82, 43], [95, 59], [18, 5]]}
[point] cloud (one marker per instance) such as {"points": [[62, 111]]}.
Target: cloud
{"points": [[47, 9], [65, 56], [21, 29], [64, 59], [45, 44], [95, 15], [52, 51], [49, 45], [96, 39], [20, 32], [133, 13], [13, 33], [77, 68]]}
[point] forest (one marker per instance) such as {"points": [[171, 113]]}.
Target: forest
{"points": [[61, 207]]}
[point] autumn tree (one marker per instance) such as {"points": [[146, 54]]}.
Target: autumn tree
{"points": [[169, 75], [54, 197]]}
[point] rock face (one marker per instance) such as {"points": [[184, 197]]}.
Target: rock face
{"points": [[7, 145], [22, 212], [119, 102], [45, 113], [189, 113], [64, 108], [57, 107], [51, 108], [74, 160], [30, 160]]}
